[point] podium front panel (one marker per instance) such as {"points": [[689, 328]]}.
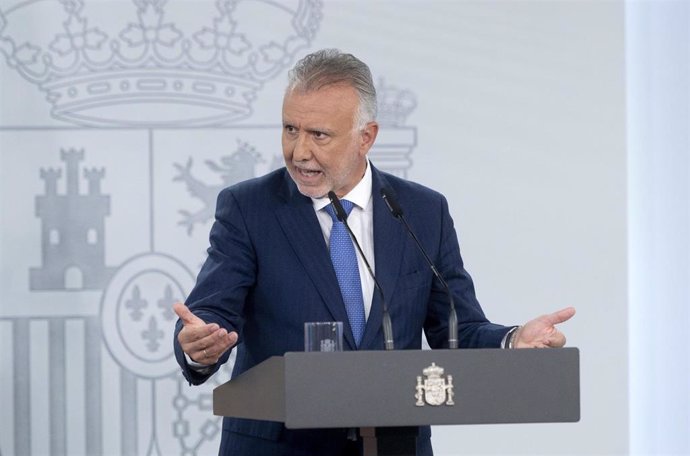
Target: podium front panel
{"points": [[383, 388]]}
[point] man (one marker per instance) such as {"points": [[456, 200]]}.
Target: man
{"points": [[269, 269]]}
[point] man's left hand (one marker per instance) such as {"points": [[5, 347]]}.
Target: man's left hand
{"points": [[542, 332]]}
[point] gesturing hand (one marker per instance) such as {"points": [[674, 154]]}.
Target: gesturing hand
{"points": [[203, 342], [542, 332]]}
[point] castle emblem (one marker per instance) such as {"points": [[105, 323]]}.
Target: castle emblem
{"points": [[72, 229], [434, 389]]}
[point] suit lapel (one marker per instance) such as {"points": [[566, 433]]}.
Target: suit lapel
{"points": [[302, 229], [389, 241]]}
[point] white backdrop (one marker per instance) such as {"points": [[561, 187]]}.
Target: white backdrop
{"points": [[514, 110], [658, 67]]}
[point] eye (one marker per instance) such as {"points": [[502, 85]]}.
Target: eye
{"points": [[289, 129], [319, 135]]}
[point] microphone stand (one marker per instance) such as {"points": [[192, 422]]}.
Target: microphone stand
{"points": [[397, 212]]}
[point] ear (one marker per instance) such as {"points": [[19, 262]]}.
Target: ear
{"points": [[368, 136]]}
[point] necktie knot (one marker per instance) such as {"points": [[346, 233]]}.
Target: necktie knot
{"points": [[347, 205]]}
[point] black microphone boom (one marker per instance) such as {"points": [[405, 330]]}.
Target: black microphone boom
{"points": [[339, 210], [397, 212], [392, 204], [387, 324]]}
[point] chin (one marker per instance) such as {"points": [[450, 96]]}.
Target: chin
{"points": [[312, 192]]}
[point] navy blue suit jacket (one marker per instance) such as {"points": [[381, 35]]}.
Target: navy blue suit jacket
{"points": [[269, 271]]}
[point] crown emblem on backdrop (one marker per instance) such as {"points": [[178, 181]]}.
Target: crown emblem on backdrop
{"points": [[153, 63], [394, 104]]}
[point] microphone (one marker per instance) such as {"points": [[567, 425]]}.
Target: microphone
{"points": [[387, 324], [397, 212]]}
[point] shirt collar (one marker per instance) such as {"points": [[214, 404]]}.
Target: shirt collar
{"points": [[360, 195]]}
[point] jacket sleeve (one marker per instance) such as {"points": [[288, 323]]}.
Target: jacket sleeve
{"points": [[224, 281]]}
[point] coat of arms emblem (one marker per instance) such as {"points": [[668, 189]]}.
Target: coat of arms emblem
{"points": [[434, 389]]}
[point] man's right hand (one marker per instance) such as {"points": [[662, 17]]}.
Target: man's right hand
{"points": [[203, 342]]}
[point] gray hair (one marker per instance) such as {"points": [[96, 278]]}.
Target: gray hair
{"points": [[331, 66]]}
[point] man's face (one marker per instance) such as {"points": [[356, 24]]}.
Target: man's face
{"points": [[322, 149]]}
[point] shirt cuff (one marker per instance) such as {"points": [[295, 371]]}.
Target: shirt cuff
{"points": [[507, 341]]}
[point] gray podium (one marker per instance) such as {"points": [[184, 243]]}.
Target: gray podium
{"points": [[388, 393]]}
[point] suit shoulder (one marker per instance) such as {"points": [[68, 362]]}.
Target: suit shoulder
{"points": [[257, 187], [411, 191]]}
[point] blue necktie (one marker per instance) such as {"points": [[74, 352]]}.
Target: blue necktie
{"points": [[344, 260]]}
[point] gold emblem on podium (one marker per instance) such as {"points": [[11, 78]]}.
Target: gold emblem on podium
{"points": [[434, 389]]}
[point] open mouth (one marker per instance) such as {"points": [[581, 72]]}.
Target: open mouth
{"points": [[308, 173]]}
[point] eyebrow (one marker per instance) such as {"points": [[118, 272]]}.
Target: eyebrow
{"points": [[327, 131]]}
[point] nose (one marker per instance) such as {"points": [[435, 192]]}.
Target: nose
{"points": [[301, 152]]}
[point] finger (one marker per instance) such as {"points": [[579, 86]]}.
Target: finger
{"points": [[232, 339], [222, 342], [186, 315], [551, 337], [560, 316], [227, 340], [556, 340], [204, 357], [193, 337]]}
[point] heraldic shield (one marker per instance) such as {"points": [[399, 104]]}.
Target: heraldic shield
{"points": [[434, 389]]}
